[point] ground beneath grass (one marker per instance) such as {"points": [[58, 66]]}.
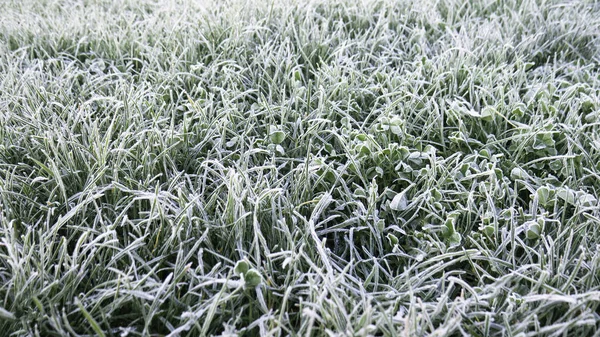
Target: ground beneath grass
{"points": [[296, 168]]}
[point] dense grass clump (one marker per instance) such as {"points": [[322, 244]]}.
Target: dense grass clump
{"points": [[322, 168]]}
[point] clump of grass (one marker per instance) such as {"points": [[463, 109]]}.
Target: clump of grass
{"points": [[299, 168]]}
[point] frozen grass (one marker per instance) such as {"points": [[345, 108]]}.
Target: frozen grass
{"points": [[382, 168]]}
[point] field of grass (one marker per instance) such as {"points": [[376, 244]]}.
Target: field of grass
{"points": [[299, 168]]}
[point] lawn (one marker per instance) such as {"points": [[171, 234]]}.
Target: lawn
{"points": [[299, 168]]}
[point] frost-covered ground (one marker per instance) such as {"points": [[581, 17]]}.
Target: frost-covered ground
{"points": [[324, 168]]}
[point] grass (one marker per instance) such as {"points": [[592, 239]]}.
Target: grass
{"points": [[324, 168]]}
